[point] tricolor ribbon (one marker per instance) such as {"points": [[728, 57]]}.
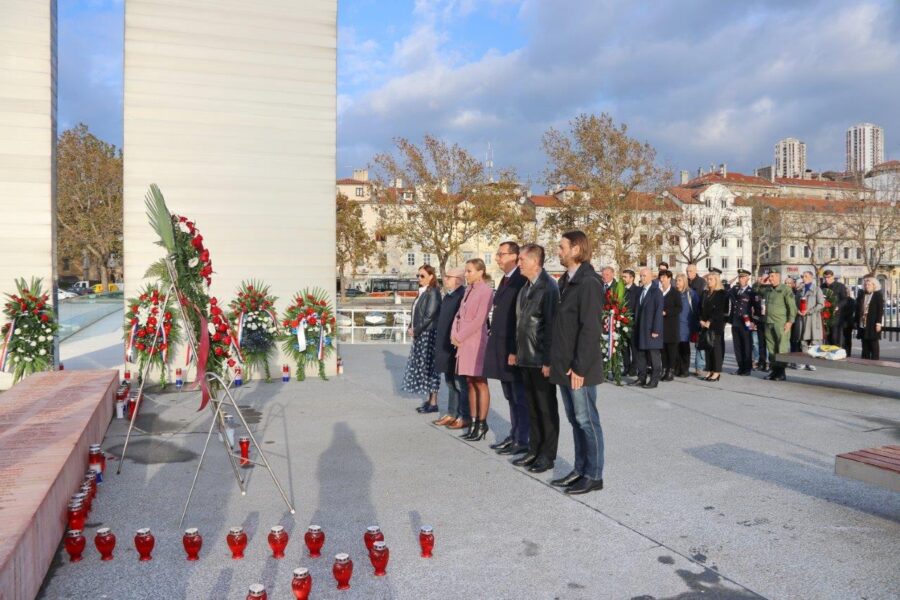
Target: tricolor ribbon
{"points": [[301, 336], [129, 347], [203, 351], [4, 355], [240, 328], [161, 332], [321, 353], [612, 333], [236, 344]]}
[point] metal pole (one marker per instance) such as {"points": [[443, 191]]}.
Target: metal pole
{"points": [[197, 473]]}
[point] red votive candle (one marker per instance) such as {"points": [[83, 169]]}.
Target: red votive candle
{"points": [[105, 541], [74, 544], [244, 443], [426, 540], [373, 534], [315, 539], [257, 591], [278, 541], [301, 584], [75, 513], [342, 570], [144, 542], [192, 543], [237, 542], [379, 556]]}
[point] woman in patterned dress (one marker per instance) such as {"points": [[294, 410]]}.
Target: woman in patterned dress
{"points": [[420, 377]]}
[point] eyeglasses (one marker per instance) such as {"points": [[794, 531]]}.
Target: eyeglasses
{"points": [[506, 254], [422, 276]]}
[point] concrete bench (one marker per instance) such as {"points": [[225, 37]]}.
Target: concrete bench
{"points": [[47, 422], [890, 368], [878, 466]]}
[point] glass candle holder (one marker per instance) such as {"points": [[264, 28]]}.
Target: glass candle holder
{"points": [[257, 591], [75, 513], [301, 584], [285, 373], [342, 570], [315, 539], [74, 544], [105, 541], [237, 542], [144, 542], [91, 478], [96, 457], [192, 542], [426, 540], [244, 443], [84, 496], [278, 541], [373, 534], [379, 555]]}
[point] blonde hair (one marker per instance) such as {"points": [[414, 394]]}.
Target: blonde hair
{"points": [[716, 280], [479, 266], [681, 277]]}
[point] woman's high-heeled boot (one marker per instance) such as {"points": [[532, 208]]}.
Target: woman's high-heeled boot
{"points": [[473, 427], [480, 432]]}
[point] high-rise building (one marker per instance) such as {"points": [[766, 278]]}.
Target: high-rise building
{"points": [[865, 147], [790, 158]]}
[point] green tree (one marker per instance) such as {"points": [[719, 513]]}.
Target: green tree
{"points": [[89, 199], [355, 246]]}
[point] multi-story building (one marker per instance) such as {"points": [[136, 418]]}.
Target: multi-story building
{"points": [[865, 147], [790, 158]]}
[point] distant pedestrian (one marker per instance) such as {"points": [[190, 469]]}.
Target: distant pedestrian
{"points": [[809, 308], [648, 331], [421, 377], [713, 312], [780, 311], [470, 336], [671, 325], [870, 318], [535, 312], [576, 364], [688, 323], [457, 415]]}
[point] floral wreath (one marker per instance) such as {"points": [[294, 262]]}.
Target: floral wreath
{"points": [[616, 331], [830, 312], [150, 318], [309, 330], [28, 336], [256, 324]]}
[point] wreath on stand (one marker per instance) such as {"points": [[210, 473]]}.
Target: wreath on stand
{"points": [[309, 325], [616, 331], [28, 335], [256, 324], [829, 312], [151, 330]]}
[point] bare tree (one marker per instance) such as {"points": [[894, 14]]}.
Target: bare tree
{"points": [[817, 233], [610, 171], [704, 225], [875, 227], [765, 226], [437, 196]]}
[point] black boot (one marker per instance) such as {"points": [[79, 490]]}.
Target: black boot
{"points": [[480, 432], [667, 375], [473, 426]]}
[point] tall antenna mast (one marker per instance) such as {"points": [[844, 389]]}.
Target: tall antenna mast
{"points": [[489, 163]]}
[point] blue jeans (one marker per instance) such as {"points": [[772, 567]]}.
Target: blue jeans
{"points": [[457, 396], [581, 410], [699, 359]]}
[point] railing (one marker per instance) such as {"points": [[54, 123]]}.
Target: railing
{"points": [[76, 314], [373, 325], [891, 316]]}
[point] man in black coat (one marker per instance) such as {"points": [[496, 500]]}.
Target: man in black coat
{"points": [[576, 363], [502, 344], [648, 331], [741, 299], [535, 310], [842, 306], [457, 416], [671, 326], [632, 294], [607, 278]]}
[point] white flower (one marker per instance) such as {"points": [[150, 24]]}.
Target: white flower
{"points": [[15, 359], [33, 343], [42, 338], [42, 352], [18, 331], [183, 227], [193, 262], [254, 326], [28, 359], [211, 328], [46, 330]]}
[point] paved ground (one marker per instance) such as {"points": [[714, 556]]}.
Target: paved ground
{"points": [[713, 491]]}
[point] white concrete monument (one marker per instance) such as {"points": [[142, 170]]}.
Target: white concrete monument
{"points": [[230, 107], [27, 144]]}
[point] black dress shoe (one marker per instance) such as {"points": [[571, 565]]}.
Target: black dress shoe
{"points": [[513, 449], [567, 480], [525, 461], [638, 381], [776, 376], [431, 408], [585, 485], [540, 466], [746, 373], [506, 443], [649, 386]]}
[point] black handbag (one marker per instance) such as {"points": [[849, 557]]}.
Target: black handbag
{"points": [[705, 341]]}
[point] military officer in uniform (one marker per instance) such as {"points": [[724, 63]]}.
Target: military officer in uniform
{"points": [[780, 311], [741, 298]]}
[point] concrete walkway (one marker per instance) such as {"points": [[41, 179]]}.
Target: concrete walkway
{"points": [[712, 491]]}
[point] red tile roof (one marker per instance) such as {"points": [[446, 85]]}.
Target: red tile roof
{"points": [[798, 204], [545, 201], [889, 165], [350, 181], [717, 177], [817, 183]]}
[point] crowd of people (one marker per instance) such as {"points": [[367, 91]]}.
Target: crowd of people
{"points": [[535, 335]]}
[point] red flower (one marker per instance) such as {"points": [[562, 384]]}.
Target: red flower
{"points": [[827, 304], [827, 315], [44, 318], [182, 219], [294, 323], [231, 362], [219, 351], [134, 321], [204, 256]]}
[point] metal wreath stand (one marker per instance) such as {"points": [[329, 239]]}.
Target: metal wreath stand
{"points": [[215, 406]]}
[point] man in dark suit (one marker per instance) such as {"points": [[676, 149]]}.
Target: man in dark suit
{"points": [[671, 325], [632, 294], [608, 278], [741, 299], [502, 344], [842, 302], [457, 416], [648, 331]]}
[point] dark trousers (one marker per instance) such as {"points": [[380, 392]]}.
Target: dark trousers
{"points": [[715, 356], [649, 356], [628, 358], [543, 413], [743, 347], [835, 335], [848, 338], [684, 358], [670, 356], [514, 392], [871, 349], [761, 336]]}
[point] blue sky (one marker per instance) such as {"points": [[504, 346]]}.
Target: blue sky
{"points": [[704, 81]]}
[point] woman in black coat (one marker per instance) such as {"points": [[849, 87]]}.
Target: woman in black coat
{"points": [[421, 376], [713, 311], [671, 325], [869, 317]]}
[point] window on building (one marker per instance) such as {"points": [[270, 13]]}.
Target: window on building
{"points": [[411, 259], [724, 242], [805, 251], [724, 203], [674, 240], [708, 221], [708, 264], [487, 258], [740, 242], [859, 254], [724, 262], [467, 256], [426, 259], [359, 192], [833, 252], [725, 222], [739, 222], [380, 237], [643, 220], [740, 263], [643, 239], [407, 195], [846, 253], [792, 252]]}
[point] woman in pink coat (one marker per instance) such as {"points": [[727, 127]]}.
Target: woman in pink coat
{"points": [[470, 336]]}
